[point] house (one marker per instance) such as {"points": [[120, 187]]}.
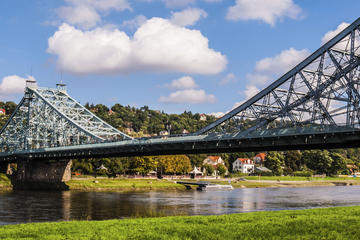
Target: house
{"points": [[2, 111], [259, 158], [110, 112], [244, 165], [202, 117], [213, 160]]}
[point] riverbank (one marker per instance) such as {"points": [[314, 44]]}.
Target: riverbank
{"points": [[326, 223], [129, 184]]}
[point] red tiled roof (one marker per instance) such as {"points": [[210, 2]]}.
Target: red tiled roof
{"points": [[213, 158], [261, 156], [244, 160]]}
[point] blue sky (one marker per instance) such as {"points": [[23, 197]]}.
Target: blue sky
{"points": [[173, 55]]}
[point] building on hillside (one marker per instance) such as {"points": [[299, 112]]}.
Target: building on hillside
{"points": [[244, 165], [110, 112], [202, 117], [2, 111], [259, 158]]}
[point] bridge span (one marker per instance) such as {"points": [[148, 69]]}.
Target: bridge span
{"points": [[314, 105]]}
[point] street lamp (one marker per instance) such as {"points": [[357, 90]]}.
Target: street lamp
{"points": [[168, 127]]}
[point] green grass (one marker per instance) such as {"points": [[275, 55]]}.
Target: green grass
{"points": [[123, 184], [327, 223]]}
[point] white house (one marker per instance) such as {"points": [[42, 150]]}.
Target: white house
{"points": [[213, 160], [244, 165]]}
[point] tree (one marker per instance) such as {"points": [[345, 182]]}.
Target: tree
{"points": [[274, 161], [222, 169], [209, 169], [318, 161], [293, 161], [338, 164]]}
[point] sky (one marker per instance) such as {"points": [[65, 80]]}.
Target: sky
{"points": [[205, 56]]}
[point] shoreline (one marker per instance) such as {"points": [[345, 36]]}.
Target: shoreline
{"points": [[151, 184]]}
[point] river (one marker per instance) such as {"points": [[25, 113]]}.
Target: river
{"points": [[25, 206]]}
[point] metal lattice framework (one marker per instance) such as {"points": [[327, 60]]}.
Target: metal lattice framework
{"points": [[322, 91], [47, 117]]}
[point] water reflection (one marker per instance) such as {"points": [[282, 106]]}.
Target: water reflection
{"points": [[22, 206]]}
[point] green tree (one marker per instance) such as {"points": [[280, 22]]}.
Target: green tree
{"points": [[293, 161], [318, 161], [338, 164], [209, 169], [274, 161], [222, 169]]}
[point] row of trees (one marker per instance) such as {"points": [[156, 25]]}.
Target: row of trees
{"points": [[315, 161], [174, 164]]}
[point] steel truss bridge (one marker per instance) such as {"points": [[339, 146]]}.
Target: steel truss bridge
{"points": [[314, 105]]}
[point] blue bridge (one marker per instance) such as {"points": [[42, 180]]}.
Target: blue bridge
{"points": [[313, 106]]}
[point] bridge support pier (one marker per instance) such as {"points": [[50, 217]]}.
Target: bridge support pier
{"points": [[5, 168], [42, 175]]}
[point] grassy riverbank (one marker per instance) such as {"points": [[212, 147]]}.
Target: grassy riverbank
{"points": [[125, 184], [327, 223], [104, 184]]}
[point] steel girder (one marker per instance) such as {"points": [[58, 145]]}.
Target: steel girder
{"points": [[321, 90], [48, 117]]}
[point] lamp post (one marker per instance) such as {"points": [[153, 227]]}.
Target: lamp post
{"points": [[168, 127]]}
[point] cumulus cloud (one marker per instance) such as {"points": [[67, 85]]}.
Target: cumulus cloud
{"points": [[217, 114], [264, 10], [331, 34], [250, 91], [186, 82], [158, 45], [135, 23], [282, 62], [13, 84], [192, 96], [230, 77], [187, 17], [86, 13]]}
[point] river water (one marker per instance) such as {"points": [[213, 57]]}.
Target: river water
{"points": [[24, 207]]}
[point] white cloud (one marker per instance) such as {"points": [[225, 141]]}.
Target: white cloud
{"points": [[136, 22], [86, 13], [13, 84], [264, 10], [157, 45], [178, 3], [282, 62], [250, 91], [186, 82], [227, 79], [192, 96], [187, 17], [217, 114], [329, 35]]}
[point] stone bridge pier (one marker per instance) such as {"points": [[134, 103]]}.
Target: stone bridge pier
{"points": [[42, 175]]}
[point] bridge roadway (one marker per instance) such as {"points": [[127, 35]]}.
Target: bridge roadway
{"points": [[319, 137]]}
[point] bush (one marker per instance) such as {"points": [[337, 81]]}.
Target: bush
{"points": [[302, 174]]}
